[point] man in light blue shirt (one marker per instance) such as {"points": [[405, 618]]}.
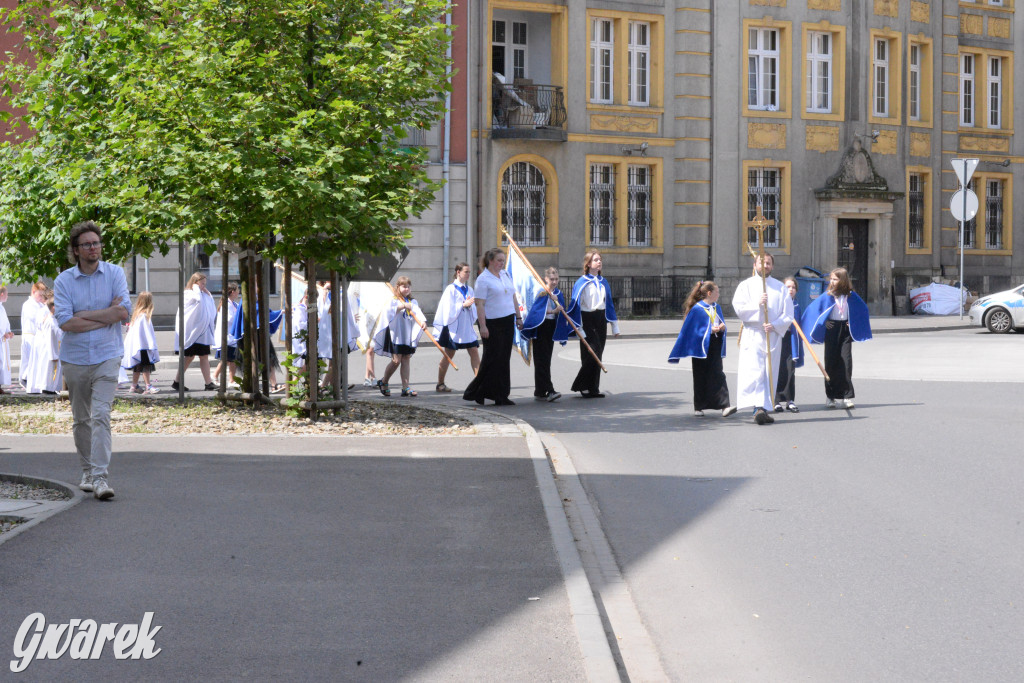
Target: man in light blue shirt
{"points": [[91, 301]]}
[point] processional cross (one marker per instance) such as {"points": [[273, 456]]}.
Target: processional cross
{"points": [[760, 224]]}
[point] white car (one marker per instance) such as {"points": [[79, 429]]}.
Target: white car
{"points": [[1000, 312]]}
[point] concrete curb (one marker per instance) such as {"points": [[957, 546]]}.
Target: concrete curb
{"points": [[38, 514]]}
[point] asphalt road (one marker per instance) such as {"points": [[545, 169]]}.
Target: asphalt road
{"points": [[882, 543]]}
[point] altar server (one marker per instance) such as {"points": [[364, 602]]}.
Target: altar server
{"points": [[46, 375], [592, 309], [454, 324], [140, 350], [545, 325], [32, 313], [5, 342], [838, 318], [398, 339], [702, 338]]}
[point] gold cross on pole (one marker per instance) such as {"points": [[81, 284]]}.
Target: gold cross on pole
{"points": [[760, 224]]}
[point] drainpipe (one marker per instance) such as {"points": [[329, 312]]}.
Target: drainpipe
{"points": [[484, 33], [446, 158], [469, 145]]}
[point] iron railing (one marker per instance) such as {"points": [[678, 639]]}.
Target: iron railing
{"points": [[520, 109]]}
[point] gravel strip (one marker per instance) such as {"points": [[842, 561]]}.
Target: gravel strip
{"points": [[32, 415], [11, 489]]}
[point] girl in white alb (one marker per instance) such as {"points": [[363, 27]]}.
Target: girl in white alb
{"points": [[454, 324], [398, 339], [140, 350]]}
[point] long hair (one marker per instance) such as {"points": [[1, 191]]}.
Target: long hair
{"points": [[796, 285], [844, 286], [587, 258], [458, 267], [231, 289], [699, 292], [196, 277], [143, 306]]}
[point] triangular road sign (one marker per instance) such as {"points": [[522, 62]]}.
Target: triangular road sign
{"points": [[964, 169]]}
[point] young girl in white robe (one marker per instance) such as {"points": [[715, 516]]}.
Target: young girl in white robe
{"points": [[453, 324], [398, 338], [140, 350], [5, 342], [325, 334], [45, 375]]}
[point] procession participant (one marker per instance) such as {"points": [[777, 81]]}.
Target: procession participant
{"points": [[5, 342], [398, 338], [838, 318], [90, 302], [237, 331], [140, 349], [545, 325], [32, 312], [592, 309], [200, 318], [702, 338], [497, 308], [45, 376], [229, 356], [792, 358], [325, 332], [750, 301], [300, 325], [453, 324]]}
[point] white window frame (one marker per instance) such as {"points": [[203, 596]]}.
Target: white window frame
{"points": [[819, 71], [638, 56], [880, 99], [995, 92], [914, 82], [967, 91], [763, 69], [601, 48], [519, 49]]}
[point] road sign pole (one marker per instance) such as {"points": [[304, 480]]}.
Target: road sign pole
{"points": [[963, 229]]}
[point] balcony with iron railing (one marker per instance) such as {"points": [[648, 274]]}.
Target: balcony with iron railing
{"points": [[527, 110]]}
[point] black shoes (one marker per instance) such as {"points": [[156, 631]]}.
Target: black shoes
{"points": [[174, 386], [762, 417]]}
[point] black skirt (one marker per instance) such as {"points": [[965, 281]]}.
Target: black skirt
{"points": [[838, 359], [785, 391], [396, 349], [595, 325], [445, 340], [144, 365], [493, 379], [197, 350], [710, 390]]}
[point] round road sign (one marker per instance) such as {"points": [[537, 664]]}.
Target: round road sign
{"points": [[956, 205]]}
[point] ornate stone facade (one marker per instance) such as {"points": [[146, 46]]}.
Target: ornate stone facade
{"points": [[920, 144], [766, 135], [887, 8], [823, 138], [827, 5], [920, 11], [624, 124]]}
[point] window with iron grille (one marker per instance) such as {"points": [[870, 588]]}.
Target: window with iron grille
{"points": [[638, 193], [524, 204], [915, 207], [602, 204], [994, 214], [971, 226], [764, 189]]}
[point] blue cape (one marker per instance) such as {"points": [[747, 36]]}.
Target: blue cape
{"points": [[574, 310], [813, 321], [796, 345], [238, 324], [535, 318], [695, 335]]}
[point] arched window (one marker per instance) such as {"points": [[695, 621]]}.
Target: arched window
{"points": [[524, 204]]}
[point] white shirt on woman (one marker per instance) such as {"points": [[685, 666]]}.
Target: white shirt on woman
{"points": [[496, 292]]}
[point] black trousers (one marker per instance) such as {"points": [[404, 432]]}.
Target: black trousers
{"points": [[838, 359], [588, 379], [710, 390], [786, 386], [493, 380], [543, 347]]}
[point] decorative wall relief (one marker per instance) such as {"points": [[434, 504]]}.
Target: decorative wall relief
{"points": [[920, 11], [999, 28], [886, 143], [769, 3], [971, 23], [766, 135], [624, 124], [829, 5], [972, 143], [823, 138], [887, 8], [920, 144]]}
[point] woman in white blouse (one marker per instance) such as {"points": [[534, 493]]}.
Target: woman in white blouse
{"points": [[498, 315], [592, 309]]}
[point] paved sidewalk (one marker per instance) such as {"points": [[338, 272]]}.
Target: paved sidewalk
{"points": [[303, 558]]}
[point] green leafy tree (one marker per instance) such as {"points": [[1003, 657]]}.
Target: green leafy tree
{"points": [[205, 120]]}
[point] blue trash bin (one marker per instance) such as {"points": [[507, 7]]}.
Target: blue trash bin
{"points": [[810, 285]]}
